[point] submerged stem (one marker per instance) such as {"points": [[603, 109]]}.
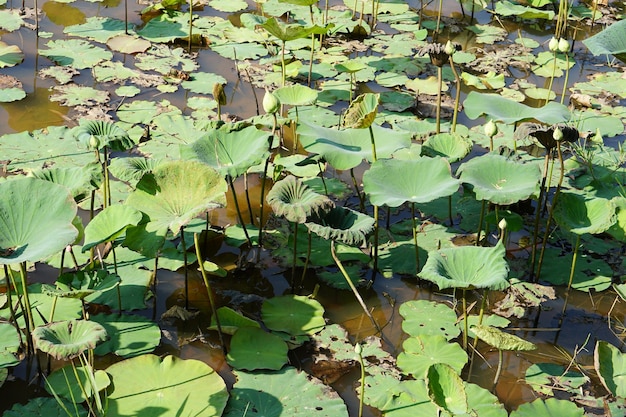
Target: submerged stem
{"points": [[571, 274]]}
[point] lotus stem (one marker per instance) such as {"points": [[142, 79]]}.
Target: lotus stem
{"points": [[10, 282], [457, 94], [191, 27], [465, 319], [207, 284], [107, 181], [295, 255], [551, 78], [376, 226], [282, 64], [542, 195], [571, 275], [359, 351], [29, 321], [270, 140], [119, 291], [566, 77], [245, 186], [480, 222], [440, 86], [417, 254], [182, 242], [499, 369], [312, 53], [308, 257], [439, 12], [126, 17], [239, 216], [352, 287]]}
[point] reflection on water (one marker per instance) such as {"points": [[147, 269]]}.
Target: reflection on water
{"points": [[36, 111]]}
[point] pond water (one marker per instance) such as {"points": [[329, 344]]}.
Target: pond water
{"points": [[591, 315]]}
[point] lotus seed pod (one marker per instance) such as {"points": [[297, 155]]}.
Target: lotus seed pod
{"points": [[271, 104], [553, 44], [563, 45], [557, 134], [491, 129], [502, 224], [449, 48]]}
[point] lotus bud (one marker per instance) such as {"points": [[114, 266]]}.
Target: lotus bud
{"points": [[94, 143], [271, 104], [449, 49], [563, 45], [557, 134], [502, 224], [218, 94], [491, 129], [358, 349], [553, 44]]}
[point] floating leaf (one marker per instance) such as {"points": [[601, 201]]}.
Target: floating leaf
{"points": [[77, 95], [231, 321], [501, 340], [8, 95], [420, 352], [546, 378], [128, 44], [551, 407], [422, 317], [129, 335], [252, 348], [294, 314], [506, 8], [76, 53], [9, 345], [76, 386], [40, 406], [98, 28], [10, 55]]}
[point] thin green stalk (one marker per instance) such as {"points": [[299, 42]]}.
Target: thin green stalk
{"points": [[295, 255], [457, 95], [239, 216], [352, 287], [190, 25], [566, 77], [480, 222], [119, 291], [245, 186], [207, 284], [542, 195], [551, 78], [311, 59], [29, 321], [571, 274], [465, 320], [359, 350], [440, 86], [282, 64], [270, 140], [107, 180], [499, 369], [376, 227], [182, 242], [417, 254]]}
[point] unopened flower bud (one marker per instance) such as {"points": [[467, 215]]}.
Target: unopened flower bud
{"points": [[491, 129], [449, 49], [553, 44], [563, 45], [271, 104], [358, 349], [94, 143], [557, 134], [502, 224]]}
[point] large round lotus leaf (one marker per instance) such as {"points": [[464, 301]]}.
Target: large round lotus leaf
{"points": [[420, 352], [149, 386], [79, 180], [69, 338], [499, 180], [44, 406], [483, 403], [345, 149], [129, 335], [581, 215], [396, 398], [231, 153], [284, 393], [296, 95], [110, 224], [35, 220], [451, 146], [342, 224], [172, 194], [252, 348], [293, 314], [612, 40], [445, 388], [423, 317], [132, 169], [501, 340], [610, 365], [9, 345], [551, 407], [63, 382], [387, 182], [293, 31], [295, 201], [467, 267]]}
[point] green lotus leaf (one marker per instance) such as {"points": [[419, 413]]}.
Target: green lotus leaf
{"points": [[79, 294], [345, 149], [171, 195], [501, 340], [110, 224], [548, 378], [166, 27], [506, 8], [287, 392], [76, 53], [96, 134], [203, 82], [229, 6], [92, 283], [396, 398], [581, 215], [446, 390], [10, 94], [467, 267], [97, 28], [9, 345], [488, 34], [162, 58], [611, 40], [292, 199], [610, 364], [296, 95], [500, 180], [10, 20], [550, 407], [451, 146], [252, 348], [342, 224], [10, 55], [80, 181], [392, 7], [362, 111], [420, 352], [132, 169], [496, 107], [231, 321], [386, 182], [67, 339], [129, 335], [151, 386], [76, 95], [427, 318], [231, 152], [293, 31], [43, 406], [35, 220], [293, 314], [128, 44], [64, 383]]}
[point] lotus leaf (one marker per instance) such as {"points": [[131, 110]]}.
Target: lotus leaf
{"points": [[80, 181], [345, 149], [547, 66], [109, 225], [501, 340], [129, 335], [162, 59], [76, 53], [550, 407], [446, 389], [610, 364], [41, 406], [74, 95], [287, 392], [294, 314], [97, 28], [428, 318], [10, 55], [396, 398], [589, 273], [172, 196], [10, 20], [296, 95], [612, 40], [231, 321], [420, 352], [393, 7], [506, 8], [500, 180], [203, 82], [8, 95], [508, 111], [231, 153], [230, 6], [547, 377], [581, 215], [132, 169], [488, 34], [451, 146], [342, 224], [93, 283], [28, 207], [252, 348], [166, 27], [76, 387], [9, 345], [362, 111], [295, 201], [292, 31], [151, 386], [386, 181], [67, 339], [467, 267]]}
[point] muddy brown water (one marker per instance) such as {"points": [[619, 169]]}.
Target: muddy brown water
{"points": [[586, 314]]}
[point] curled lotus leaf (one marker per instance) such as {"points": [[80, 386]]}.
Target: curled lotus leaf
{"points": [[96, 134], [295, 201], [581, 215], [67, 339], [501, 340], [342, 224], [362, 111]]}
